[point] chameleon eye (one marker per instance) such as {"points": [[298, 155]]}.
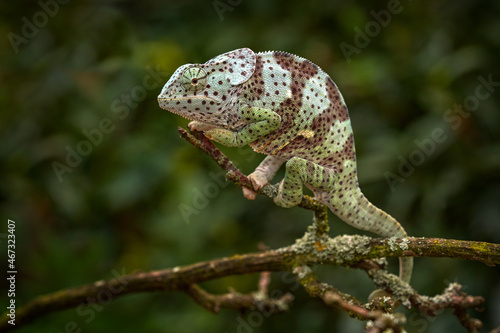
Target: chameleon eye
{"points": [[194, 79]]}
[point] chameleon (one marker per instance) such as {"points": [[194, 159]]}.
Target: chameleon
{"points": [[288, 108]]}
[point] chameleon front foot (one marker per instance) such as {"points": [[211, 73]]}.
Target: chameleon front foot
{"points": [[259, 180], [249, 194], [262, 175]]}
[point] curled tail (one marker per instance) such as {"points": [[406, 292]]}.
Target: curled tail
{"points": [[354, 208]]}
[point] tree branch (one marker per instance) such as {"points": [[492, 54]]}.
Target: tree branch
{"points": [[314, 248], [236, 301], [346, 250]]}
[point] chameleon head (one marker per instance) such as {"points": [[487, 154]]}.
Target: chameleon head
{"points": [[201, 92]]}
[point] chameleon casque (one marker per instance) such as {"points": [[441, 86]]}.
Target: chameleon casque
{"points": [[286, 107]]}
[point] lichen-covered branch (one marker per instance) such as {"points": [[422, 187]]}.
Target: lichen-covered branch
{"points": [[378, 313], [346, 250], [377, 319], [314, 248]]}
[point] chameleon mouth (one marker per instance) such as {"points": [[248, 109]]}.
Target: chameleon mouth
{"points": [[160, 98], [204, 126]]}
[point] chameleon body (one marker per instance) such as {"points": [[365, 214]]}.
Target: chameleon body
{"points": [[286, 107]]}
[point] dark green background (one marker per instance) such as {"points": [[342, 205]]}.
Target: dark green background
{"points": [[120, 207]]}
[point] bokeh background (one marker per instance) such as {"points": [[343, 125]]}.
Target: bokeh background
{"points": [[140, 198]]}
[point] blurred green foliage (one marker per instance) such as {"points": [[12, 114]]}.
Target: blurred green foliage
{"points": [[97, 67]]}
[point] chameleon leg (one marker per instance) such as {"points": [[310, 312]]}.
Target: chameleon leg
{"points": [[299, 172], [259, 123], [263, 174], [266, 171]]}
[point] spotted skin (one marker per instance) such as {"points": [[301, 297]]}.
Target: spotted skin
{"points": [[286, 107]]}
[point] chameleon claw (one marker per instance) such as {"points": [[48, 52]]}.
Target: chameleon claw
{"points": [[249, 194]]}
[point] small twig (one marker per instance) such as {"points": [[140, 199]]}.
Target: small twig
{"points": [[264, 281], [201, 142], [452, 297], [239, 302]]}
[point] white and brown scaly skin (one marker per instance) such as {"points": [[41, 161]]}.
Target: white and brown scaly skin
{"points": [[285, 107]]}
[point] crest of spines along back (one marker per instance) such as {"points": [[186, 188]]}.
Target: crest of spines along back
{"points": [[291, 61]]}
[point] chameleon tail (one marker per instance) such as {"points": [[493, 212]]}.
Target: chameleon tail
{"points": [[355, 209]]}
